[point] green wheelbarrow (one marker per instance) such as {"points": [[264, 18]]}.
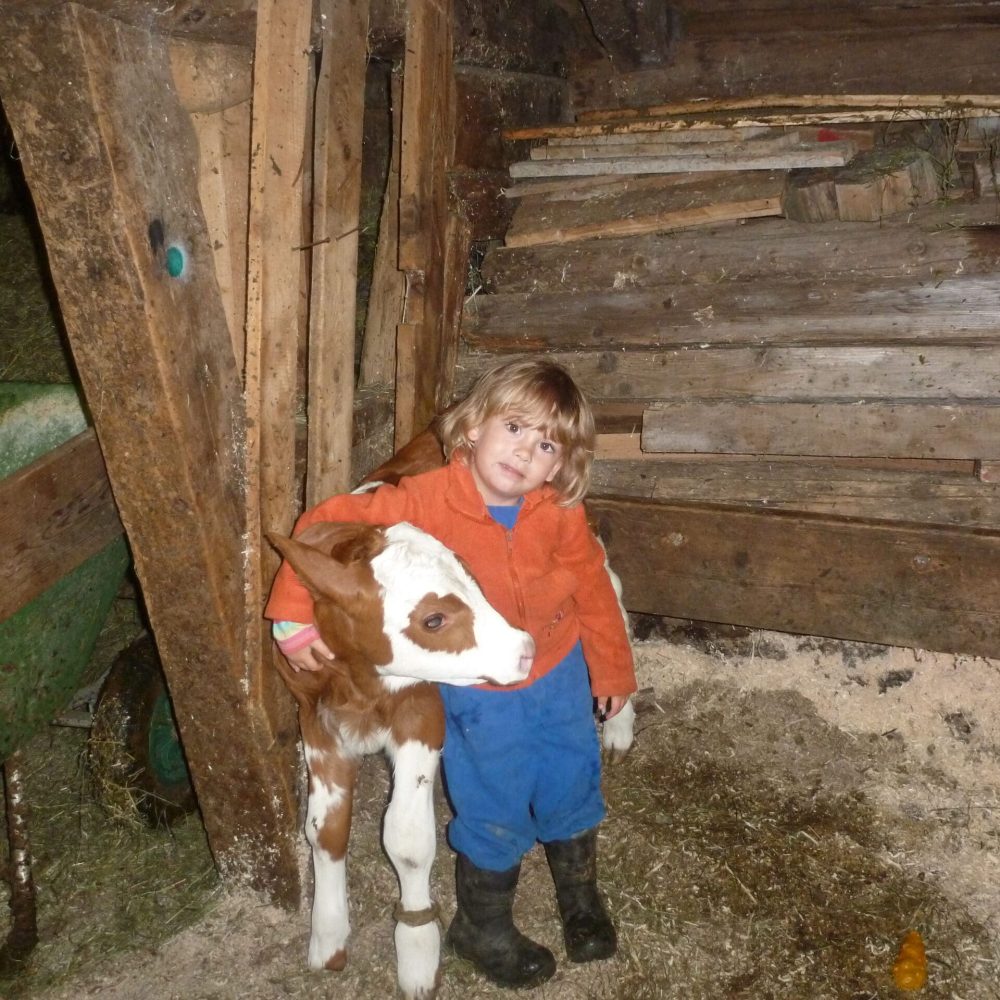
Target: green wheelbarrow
{"points": [[63, 558]]}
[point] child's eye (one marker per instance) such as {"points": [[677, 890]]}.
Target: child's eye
{"points": [[548, 446], [513, 426]]}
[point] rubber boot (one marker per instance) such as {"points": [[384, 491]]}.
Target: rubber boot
{"points": [[587, 928], [483, 930]]}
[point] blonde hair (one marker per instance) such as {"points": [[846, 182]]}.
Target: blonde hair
{"points": [[544, 395]]}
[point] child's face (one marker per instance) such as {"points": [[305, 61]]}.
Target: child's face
{"points": [[510, 458]]}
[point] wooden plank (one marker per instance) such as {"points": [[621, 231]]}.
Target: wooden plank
{"points": [[988, 471], [660, 222], [947, 103], [624, 447], [867, 50], [832, 373], [156, 362], [763, 119], [913, 491], [828, 154], [908, 585], [602, 147], [407, 335], [642, 198], [54, 515], [676, 201], [707, 135], [875, 311], [340, 112], [276, 307], [929, 244], [457, 245], [385, 300], [890, 429], [582, 188], [426, 152]]}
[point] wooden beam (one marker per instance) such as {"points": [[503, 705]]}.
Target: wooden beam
{"points": [[340, 113], [648, 204], [813, 155], [457, 244], [833, 373], [933, 243], [885, 428], [776, 312], [949, 103], [906, 585], [112, 163], [935, 492], [615, 146], [54, 515], [428, 138], [739, 120], [385, 301]]}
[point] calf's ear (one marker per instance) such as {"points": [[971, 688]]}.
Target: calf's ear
{"points": [[321, 574]]}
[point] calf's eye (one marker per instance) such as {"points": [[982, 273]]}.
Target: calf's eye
{"points": [[433, 622]]}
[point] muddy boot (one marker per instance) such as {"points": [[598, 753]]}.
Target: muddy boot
{"points": [[483, 930], [587, 928]]}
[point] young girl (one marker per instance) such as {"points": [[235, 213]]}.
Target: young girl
{"points": [[521, 763]]}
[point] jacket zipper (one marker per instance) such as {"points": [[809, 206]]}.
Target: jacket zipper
{"points": [[515, 581]]}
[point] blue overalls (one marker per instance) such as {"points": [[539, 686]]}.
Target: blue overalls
{"points": [[524, 765]]}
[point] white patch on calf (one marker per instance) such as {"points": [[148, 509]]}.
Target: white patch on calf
{"points": [[413, 565]]}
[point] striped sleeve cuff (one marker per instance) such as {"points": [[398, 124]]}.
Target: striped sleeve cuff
{"points": [[293, 636]]}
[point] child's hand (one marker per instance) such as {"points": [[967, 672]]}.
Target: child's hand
{"points": [[315, 656], [608, 708]]}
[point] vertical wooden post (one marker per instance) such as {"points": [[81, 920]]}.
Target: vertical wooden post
{"points": [[111, 159], [340, 111], [385, 302], [275, 317], [426, 152]]}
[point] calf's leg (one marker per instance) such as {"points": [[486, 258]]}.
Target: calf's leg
{"points": [[410, 839], [328, 826]]}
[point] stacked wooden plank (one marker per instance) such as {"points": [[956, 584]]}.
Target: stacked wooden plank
{"points": [[794, 415], [853, 157]]}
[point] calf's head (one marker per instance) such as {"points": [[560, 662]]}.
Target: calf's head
{"points": [[399, 600]]}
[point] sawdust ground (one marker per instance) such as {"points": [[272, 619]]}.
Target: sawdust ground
{"points": [[792, 806]]}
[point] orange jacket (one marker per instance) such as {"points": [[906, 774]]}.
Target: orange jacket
{"points": [[546, 576]]}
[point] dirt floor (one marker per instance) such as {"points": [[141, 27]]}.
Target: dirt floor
{"points": [[792, 806]]}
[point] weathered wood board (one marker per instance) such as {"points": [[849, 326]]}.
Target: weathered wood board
{"points": [[904, 584], [336, 203], [964, 430], [111, 159], [690, 200], [54, 514], [912, 491], [803, 154], [933, 243], [873, 311], [832, 373]]}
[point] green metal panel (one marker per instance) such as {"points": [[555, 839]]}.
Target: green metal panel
{"points": [[46, 645]]}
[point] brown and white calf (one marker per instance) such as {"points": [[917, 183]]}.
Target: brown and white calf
{"points": [[400, 613]]}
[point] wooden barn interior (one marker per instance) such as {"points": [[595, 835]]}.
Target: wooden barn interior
{"points": [[764, 238]]}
